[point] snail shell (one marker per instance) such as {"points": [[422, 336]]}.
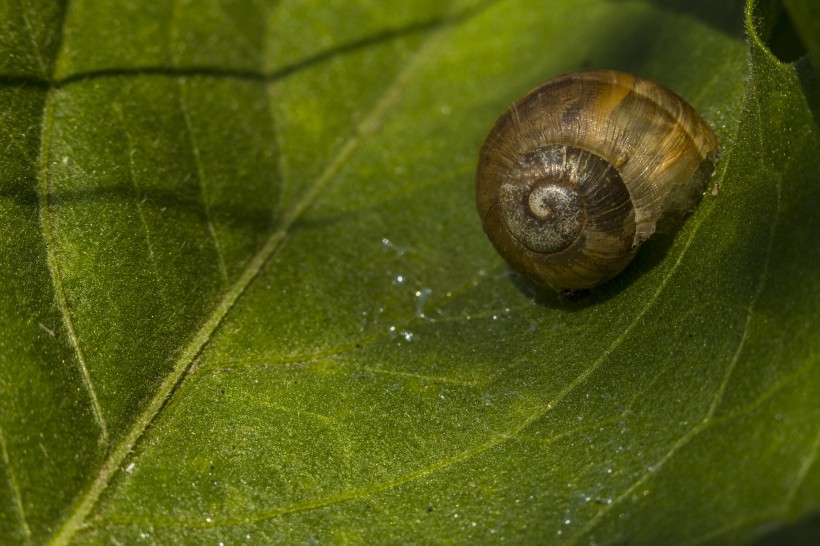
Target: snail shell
{"points": [[578, 173]]}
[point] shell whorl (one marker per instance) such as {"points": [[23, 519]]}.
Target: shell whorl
{"points": [[570, 211]]}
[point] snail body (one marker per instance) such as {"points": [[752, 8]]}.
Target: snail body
{"points": [[582, 170]]}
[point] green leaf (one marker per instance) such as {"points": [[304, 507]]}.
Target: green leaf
{"points": [[806, 16], [246, 297]]}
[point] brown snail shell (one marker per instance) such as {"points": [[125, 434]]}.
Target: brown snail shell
{"points": [[578, 173]]}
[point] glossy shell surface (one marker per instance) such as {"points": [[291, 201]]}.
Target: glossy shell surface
{"points": [[658, 150]]}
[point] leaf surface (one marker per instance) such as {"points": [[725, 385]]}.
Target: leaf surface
{"points": [[246, 296]]}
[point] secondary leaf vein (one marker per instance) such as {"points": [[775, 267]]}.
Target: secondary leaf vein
{"points": [[200, 176], [54, 269], [140, 210], [15, 489], [803, 471]]}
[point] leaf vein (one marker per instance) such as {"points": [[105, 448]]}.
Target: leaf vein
{"points": [[711, 536], [323, 421], [769, 393], [420, 377], [803, 471], [15, 488], [140, 211], [47, 228], [200, 176]]}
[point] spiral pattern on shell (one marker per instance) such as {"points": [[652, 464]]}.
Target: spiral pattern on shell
{"points": [[577, 174]]}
